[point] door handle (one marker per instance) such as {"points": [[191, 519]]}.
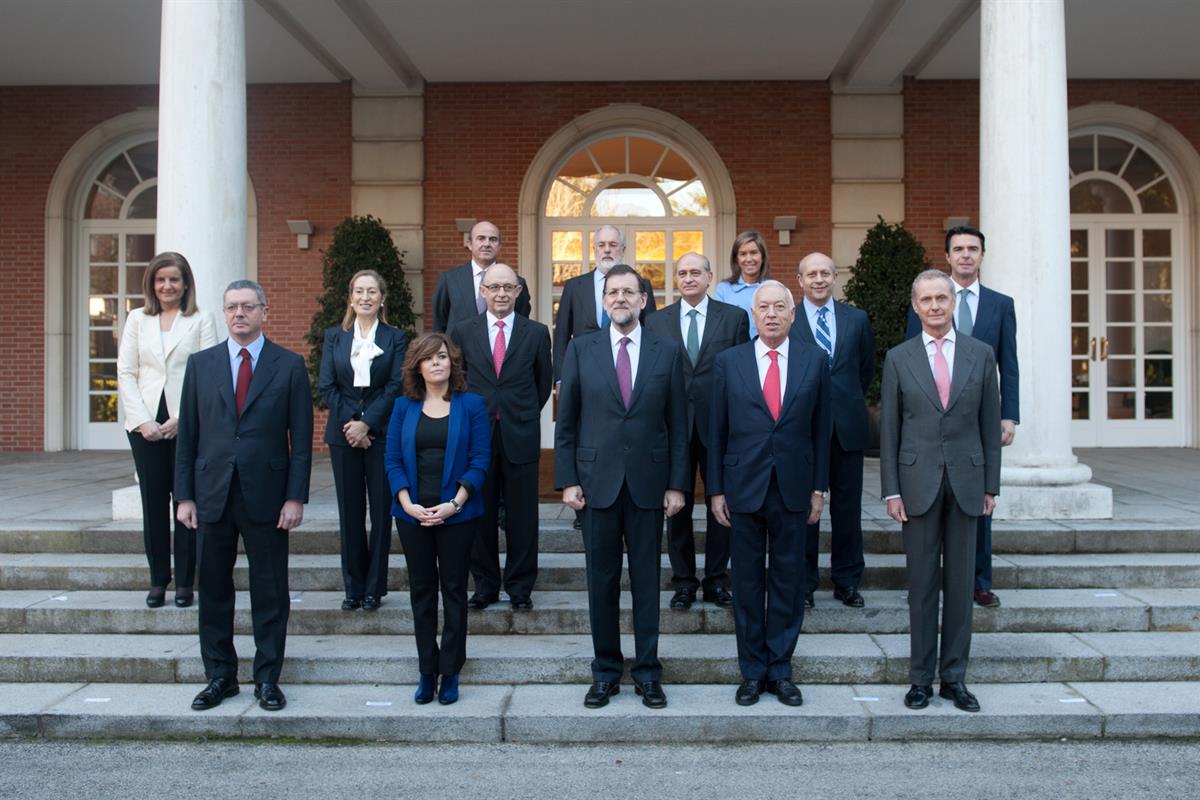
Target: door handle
{"points": [[1103, 348], [1092, 349]]}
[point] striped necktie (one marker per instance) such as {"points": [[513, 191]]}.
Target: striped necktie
{"points": [[823, 337]]}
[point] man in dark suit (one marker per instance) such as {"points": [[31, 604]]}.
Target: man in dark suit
{"points": [[843, 332], [989, 316], [581, 308], [704, 327], [620, 457], [939, 468], [457, 295], [243, 463], [768, 468], [508, 363]]}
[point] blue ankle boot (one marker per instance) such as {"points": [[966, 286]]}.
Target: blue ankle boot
{"points": [[426, 687], [449, 692]]}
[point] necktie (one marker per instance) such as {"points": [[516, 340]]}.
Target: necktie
{"points": [[603, 317], [245, 372], [624, 372], [941, 374], [771, 393], [693, 337], [479, 304], [823, 337], [966, 323], [499, 349]]}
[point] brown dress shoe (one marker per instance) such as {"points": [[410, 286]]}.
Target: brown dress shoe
{"points": [[986, 599]]}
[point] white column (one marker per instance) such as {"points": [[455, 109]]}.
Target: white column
{"points": [[1025, 215], [202, 142]]}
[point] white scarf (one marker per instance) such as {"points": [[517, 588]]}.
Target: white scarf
{"points": [[363, 352]]}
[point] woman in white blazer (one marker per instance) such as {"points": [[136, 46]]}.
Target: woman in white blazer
{"points": [[155, 345]]}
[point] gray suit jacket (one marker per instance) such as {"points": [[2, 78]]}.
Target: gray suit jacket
{"points": [[920, 441]]}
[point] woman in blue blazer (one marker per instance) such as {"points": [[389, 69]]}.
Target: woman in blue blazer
{"points": [[361, 376], [438, 450]]}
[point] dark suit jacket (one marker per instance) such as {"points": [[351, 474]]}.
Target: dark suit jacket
{"points": [[919, 441], [213, 440], [524, 383], [745, 442], [371, 404], [995, 324], [468, 451], [852, 371], [577, 313], [599, 445], [726, 326], [454, 298]]}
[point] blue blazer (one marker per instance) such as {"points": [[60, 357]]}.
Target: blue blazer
{"points": [[468, 452], [995, 325], [852, 371]]}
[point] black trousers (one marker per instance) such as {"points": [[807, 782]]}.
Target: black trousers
{"points": [[155, 465], [439, 556], [605, 530], [846, 561], [768, 605], [681, 540], [516, 486], [267, 555], [362, 485]]}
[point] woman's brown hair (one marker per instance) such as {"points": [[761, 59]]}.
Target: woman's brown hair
{"points": [[187, 304], [348, 320], [426, 346], [744, 238]]}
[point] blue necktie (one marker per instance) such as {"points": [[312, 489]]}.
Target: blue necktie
{"points": [[823, 337]]}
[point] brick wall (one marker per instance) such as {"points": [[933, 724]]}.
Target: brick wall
{"points": [[480, 139]]}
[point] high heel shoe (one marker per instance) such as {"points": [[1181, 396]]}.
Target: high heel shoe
{"points": [[426, 687], [184, 597], [449, 692], [156, 597]]}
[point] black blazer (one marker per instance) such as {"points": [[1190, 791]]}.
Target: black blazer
{"points": [[454, 298], [995, 325], [371, 404], [213, 440], [600, 445], [852, 371], [523, 386], [747, 443], [726, 326], [577, 313]]}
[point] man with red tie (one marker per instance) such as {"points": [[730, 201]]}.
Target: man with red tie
{"points": [[768, 469]]}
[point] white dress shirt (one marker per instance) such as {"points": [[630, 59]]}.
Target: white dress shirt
{"points": [[685, 321], [633, 348], [363, 351], [947, 350], [235, 362], [764, 362], [972, 299], [811, 311], [493, 331], [477, 276]]}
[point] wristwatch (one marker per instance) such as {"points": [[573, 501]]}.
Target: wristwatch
{"points": [[457, 507]]}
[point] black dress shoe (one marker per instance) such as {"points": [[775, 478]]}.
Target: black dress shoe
{"points": [[849, 596], [597, 696], [578, 523], [156, 597], [372, 603], [184, 597], [719, 597], [351, 603], [683, 599], [270, 696], [216, 691], [957, 691], [810, 601], [918, 696], [479, 602], [652, 694], [521, 604], [748, 692], [787, 692]]}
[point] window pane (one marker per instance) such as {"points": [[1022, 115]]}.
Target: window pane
{"points": [[650, 253], [1118, 243], [1079, 276], [610, 154], [145, 205], [564, 201], [579, 165], [567, 245], [139, 248], [690, 201], [102, 204], [1156, 276], [1120, 372], [1158, 340], [1158, 372], [1079, 308], [103, 247], [102, 280], [1111, 153], [565, 270], [1079, 244], [1120, 405], [118, 175], [1159, 199], [145, 158], [675, 167], [1080, 154], [1120, 307], [1120, 341], [102, 375], [1119, 276], [103, 344], [686, 242], [1141, 170], [644, 155], [1079, 405], [639, 202], [102, 408], [102, 312], [1156, 244], [1079, 340], [1158, 405], [133, 279], [134, 302], [1079, 372], [1157, 308], [1099, 197]]}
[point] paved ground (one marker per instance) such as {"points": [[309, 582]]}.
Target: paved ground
{"points": [[1062, 770]]}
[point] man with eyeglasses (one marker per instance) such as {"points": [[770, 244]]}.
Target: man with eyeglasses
{"points": [[242, 466], [508, 363], [458, 295]]}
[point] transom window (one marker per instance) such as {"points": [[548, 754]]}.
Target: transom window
{"points": [[1113, 176]]}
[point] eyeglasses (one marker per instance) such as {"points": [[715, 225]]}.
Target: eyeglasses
{"points": [[500, 287], [245, 308], [621, 292]]}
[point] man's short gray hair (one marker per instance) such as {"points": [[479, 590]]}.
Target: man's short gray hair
{"points": [[932, 275], [245, 283], [614, 229], [771, 282], [704, 262]]}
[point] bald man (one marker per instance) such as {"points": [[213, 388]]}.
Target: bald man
{"points": [[458, 296]]}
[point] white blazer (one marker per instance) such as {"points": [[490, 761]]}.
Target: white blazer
{"points": [[145, 369]]}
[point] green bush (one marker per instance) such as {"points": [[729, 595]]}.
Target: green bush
{"points": [[358, 243], [888, 261]]}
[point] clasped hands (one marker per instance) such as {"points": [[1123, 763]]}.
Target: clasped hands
{"points": [[672, 499], [153, 431], [358, 434]]}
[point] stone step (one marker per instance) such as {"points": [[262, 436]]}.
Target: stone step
{"points": [[531, 714], [557, 659], [319, 613], [565, 571], [557, 536]]}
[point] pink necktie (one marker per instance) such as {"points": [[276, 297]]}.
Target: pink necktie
{"points": [[499, 348], [941, 374], [625, 372], [771, 392]]}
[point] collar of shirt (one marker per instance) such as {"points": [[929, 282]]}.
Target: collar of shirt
{"points": [[741, 284], [760, 349], [811, 310], [254, 347], [492, 319], [614, 336], [926, 338], [972, 289], [476, 270], [685, 307]]}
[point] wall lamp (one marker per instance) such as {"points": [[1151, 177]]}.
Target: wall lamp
{"points": [[464, 225], [785, 226], [303, 229]]}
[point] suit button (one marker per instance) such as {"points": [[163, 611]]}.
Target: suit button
{"points": [[237, 438], [625, 448]]}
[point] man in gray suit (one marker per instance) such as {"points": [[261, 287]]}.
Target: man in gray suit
{"points": [[939, 466]]}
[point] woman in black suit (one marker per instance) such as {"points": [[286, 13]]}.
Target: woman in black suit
{"points": [[362, 374]]}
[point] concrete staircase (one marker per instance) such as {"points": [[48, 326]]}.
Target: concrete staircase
{"points": [[1099, 635]]}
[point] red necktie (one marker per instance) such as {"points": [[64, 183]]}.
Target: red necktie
{"points": [[771, 393], [941, 374], [499, 348], [243, 382]]}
